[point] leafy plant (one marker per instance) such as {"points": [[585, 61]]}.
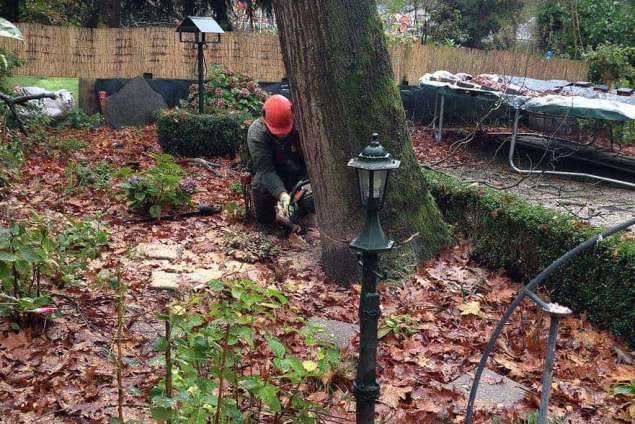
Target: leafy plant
{"points": [[627, 389], [227, 91], [81, 174], [78, 119], [11, 159], [160, 189], [236, 188], [7, 29], [83, 239], [26, 255], [532, 418], [34, 252], [69, 144], [399, 325], [218, 362]]}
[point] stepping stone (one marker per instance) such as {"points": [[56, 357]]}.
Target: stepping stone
{"points": [[339, 333], [203, 275], [495, 390], [160, 251], [164, 280]]}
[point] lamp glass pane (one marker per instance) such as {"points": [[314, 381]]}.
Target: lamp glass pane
{"points": [[363, 179], [379, 185], [374, 190]]}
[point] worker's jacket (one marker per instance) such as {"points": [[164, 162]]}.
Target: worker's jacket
{"points": [[276, 164]]}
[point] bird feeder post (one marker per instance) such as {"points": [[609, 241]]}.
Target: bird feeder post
{"points": [[198, 27]]}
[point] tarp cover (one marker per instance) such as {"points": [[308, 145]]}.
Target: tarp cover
{"points": [[580, 107], [572, 106]]}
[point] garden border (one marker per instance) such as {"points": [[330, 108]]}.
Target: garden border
{"points": [[508, 232]]}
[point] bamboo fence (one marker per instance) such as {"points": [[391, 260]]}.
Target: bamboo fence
{"points": [[92, 53]]}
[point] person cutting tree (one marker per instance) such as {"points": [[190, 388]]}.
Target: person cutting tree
{"points": [[277, 166]]}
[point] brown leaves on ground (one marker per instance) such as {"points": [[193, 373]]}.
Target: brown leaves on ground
{"points": [[65, 373]]}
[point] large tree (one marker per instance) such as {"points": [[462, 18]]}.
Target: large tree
{"points": [[341, 78]]}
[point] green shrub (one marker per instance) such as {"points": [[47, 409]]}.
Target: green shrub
{"points": [[227, 91], [612, 64], [508, 232], [193, 135], [160, 189]]}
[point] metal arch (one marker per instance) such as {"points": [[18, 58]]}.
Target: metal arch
{"points": [[526, 291], [512, 148]]}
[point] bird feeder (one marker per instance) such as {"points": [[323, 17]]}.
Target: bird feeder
{"points": [[194, 30]]}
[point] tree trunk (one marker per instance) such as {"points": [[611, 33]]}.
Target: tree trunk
{"points": [[10, 10], [188, 8], [341, 78], [220, 12], [111, 13]]}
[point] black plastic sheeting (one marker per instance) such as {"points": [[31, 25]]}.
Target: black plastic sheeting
{"points": [[171, 90], [419, 103]]}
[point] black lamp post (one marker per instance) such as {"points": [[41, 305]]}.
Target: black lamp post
{"points": [[373, 166], [198, 27]]}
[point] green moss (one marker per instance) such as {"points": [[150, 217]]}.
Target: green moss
{"points": [[510, 233]]}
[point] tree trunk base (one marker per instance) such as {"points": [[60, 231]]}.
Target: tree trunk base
{"points": [[339, 262]]}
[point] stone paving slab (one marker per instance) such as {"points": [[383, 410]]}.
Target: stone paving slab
{"points": [[164, 280], [339, 333], [170, 252], [494, 390], [203, 275]]}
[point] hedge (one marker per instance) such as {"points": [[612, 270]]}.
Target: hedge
{"points": [[190, 134], [524, 239]]}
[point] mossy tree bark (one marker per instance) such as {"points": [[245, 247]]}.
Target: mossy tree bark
{"points": [[338, 66]]}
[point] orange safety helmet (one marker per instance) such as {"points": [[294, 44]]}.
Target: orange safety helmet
{"points": [[277, 113]]}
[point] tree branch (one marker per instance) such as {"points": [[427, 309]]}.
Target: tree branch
{"points": [[11, 102]]}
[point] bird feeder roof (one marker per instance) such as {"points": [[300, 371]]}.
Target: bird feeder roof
{"points": [[200, 24]]}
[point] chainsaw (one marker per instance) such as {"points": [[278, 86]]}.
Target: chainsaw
{"points": [[302, 202]]}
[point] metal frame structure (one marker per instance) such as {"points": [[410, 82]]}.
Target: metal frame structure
{"points": [[437, 127], [555, 312], [512, 148]]}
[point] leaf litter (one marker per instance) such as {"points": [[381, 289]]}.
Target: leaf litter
{"points": [[65, 373]]}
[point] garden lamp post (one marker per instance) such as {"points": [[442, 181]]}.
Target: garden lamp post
{"points": [[198, 27], [373, 166]]}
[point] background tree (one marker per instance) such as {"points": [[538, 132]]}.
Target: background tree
{"points": [[338, 65], [111, 13], [571, 28], [9, 10]]}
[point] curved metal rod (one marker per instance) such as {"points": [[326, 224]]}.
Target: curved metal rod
{"points": [[512, 147], [525, 292]]}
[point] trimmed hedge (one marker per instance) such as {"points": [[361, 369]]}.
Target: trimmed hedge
{"points": [[190, 134], [524, 239]]}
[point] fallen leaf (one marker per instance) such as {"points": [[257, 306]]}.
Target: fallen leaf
{"points": [[390, 395], [470, 308]]}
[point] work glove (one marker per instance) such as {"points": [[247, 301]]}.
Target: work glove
{"points": [[283, 204]]}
